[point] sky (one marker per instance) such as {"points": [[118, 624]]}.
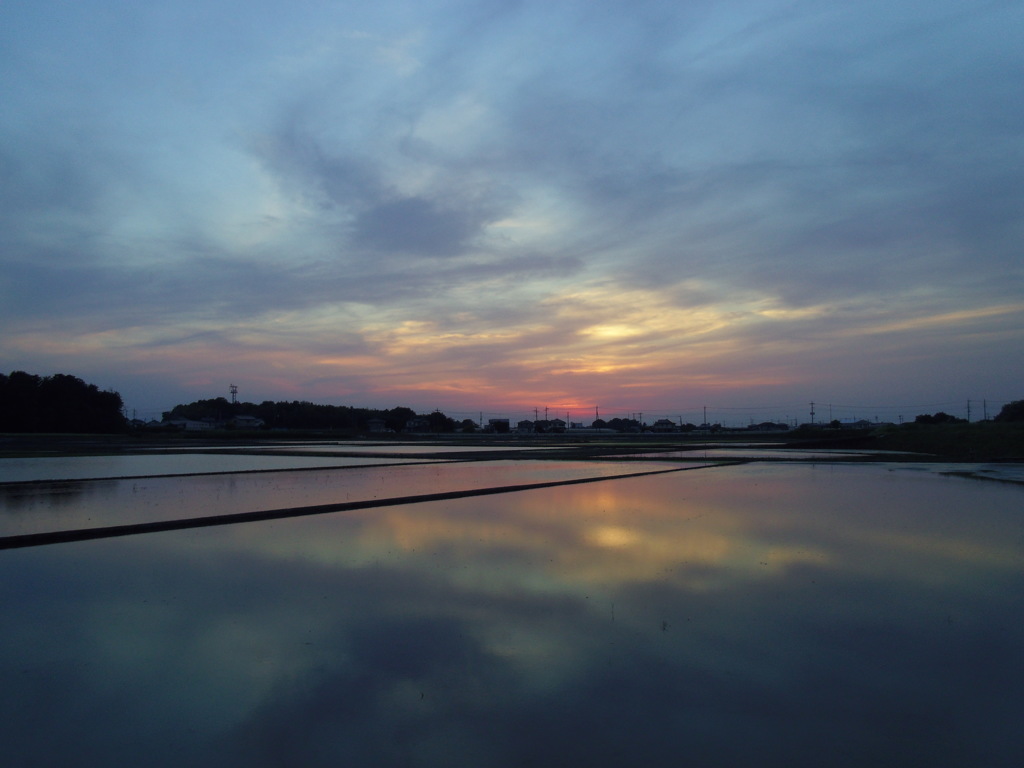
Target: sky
{"points": [[497, 206]]}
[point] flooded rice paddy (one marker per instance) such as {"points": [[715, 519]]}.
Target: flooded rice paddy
{"points": [[155, 465], [770, 613], [60, 505]]}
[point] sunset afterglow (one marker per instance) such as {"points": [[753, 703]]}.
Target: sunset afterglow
{"points": [[492, 208]]}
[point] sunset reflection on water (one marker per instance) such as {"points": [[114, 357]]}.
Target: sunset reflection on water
{"points": [[789, 615]]}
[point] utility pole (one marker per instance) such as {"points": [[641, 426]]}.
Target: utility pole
{"points": [[812, 412], [968, 411], [984, 410]]}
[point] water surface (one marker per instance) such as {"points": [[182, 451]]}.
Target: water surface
{"points": [[143, 464], [70, 504], [786, 615]]}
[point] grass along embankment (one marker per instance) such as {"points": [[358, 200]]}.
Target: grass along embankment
{"points": [[980, 441], [976, 442]]}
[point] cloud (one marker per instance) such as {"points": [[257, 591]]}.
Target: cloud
{"points": [[457, 171], [415, 225]]}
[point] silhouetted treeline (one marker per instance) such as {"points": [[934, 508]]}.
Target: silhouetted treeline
{"points": [[939, 418], [1012, 411], [58, 403], [305, 415]]}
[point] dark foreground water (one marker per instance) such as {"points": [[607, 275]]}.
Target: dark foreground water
{"points": [[768, 615]]}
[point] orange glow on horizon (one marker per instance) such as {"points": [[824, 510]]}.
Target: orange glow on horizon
{"points": [[588, 346]]}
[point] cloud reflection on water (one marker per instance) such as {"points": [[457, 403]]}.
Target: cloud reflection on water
{"points": [[777, 615]]}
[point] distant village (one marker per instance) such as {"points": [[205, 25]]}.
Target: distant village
{"points": [[65, 403], [218, 414], [438, 423]]}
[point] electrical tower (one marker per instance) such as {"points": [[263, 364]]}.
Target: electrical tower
{"points": [[234, 394]]}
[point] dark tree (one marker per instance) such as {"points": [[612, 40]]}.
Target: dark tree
{"points": [[1012, 411], [19, 402], [624, 425], [396, 418], [440, 423], [58, 403], [215, 409], [938, 418]]}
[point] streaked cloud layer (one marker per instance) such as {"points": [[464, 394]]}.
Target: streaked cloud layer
{"points": [[507, 205]]}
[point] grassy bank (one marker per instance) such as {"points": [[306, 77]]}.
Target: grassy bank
{"points": [[982, 441]]}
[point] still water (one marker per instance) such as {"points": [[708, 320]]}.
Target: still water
{"points": [[152, 465], [770, 615], [65, 505]]}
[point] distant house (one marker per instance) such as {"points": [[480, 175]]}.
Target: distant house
{"points": [[664, 425], [706, 428], [376, 425], [856, 424], [498, 425], [768, 426], [189, 425], [524, 427], [246, 422]]}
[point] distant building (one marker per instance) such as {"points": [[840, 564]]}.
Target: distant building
{"points": [[856, 424], [705, 427], [246, 422], [768, 426], [189, 425]]}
